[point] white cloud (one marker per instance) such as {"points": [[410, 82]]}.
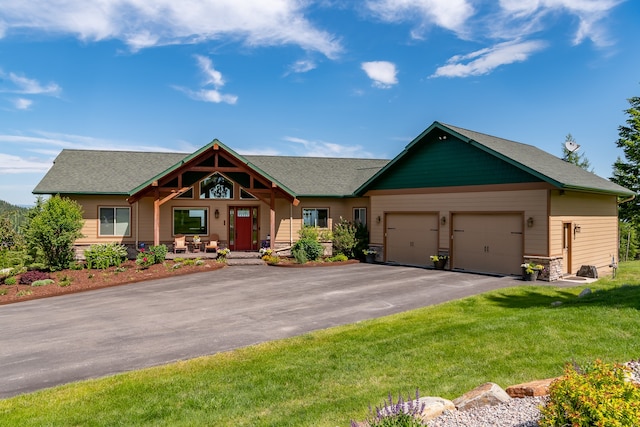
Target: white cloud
{"points": [[22, 103], [212, 77], [383, 73], [449, 14], [590, 13], [10, 164], [326, 149], [486, 60], [24, 85], [302, 66], [145, 23]]}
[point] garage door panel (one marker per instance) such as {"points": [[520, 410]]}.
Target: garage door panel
{"points": [[490, 243], [411, 238]]}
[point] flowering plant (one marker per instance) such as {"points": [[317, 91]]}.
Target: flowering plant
{"points": [[370, 252], [265, 252], [145, 260], [196, 238], [530, 267], [222, 253], [436, 258]]}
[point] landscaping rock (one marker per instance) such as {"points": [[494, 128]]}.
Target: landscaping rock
{"points": [[588, 271], [556, 303], [487, 394], [584, 293], [434, 407], [530, 389]]}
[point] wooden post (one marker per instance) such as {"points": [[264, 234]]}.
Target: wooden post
{"points": [[272, 219]]}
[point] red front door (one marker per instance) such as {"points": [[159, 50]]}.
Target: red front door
{"points": [[243, 223]]}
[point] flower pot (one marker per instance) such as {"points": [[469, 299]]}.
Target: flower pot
{"points": [[440, 264], [370, 258], [530, 277]]}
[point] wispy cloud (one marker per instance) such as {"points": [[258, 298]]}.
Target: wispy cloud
{"points": [[449, 14], [302, 66], [22, 103], [16, 83], [11, 164], [486, 60], [308, 148], [383, 73], [145, 23], [212, 77]]}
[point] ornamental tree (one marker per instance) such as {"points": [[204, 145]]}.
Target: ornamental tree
{"points": [[627, 172], [52, 228]]}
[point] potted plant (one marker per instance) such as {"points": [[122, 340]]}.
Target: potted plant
{"points": [[439, 261], [530, 271], [370, 255], [196, 239]]}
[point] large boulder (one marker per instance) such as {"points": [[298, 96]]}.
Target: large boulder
{"points": [[488, 394]]}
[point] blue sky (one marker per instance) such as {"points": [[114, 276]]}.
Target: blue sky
{"points": [[308, 78]]}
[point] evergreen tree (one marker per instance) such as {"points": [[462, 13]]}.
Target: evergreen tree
{"points": [[578, 159], [627, 172]]}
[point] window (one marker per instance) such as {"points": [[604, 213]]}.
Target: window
{"points": [[190, 221], [114, 221], [186, 195], [360, 216], [315, 217], [216, 186]]}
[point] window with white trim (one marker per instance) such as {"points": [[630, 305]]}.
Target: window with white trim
{"points": [[360, 216], [190, 221], [114, 221], [315, 217]]}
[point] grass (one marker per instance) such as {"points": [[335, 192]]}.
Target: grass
{"points": [[329, 377]]}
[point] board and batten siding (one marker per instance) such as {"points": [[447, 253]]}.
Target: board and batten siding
{"points": [[533, 203]]}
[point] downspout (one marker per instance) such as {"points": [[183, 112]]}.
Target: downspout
{"points": [[627, 200]]}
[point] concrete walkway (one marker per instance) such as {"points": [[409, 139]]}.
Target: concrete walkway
{"points": [[68, 338]]}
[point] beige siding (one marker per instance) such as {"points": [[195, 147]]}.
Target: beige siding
{"points": [[585, 204], [90, 206], [532, 203]]}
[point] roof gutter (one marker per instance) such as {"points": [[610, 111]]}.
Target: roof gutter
{"points": [[626, 200]]}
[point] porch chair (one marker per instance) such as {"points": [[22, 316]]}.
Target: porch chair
{"points": [[180, 244], [213, 243]]}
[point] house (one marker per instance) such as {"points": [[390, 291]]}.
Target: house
{"points": [[489, 203]]}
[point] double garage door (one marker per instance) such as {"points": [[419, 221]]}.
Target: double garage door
{"points": [[488, 243]]}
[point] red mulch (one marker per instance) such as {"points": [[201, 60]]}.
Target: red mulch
{"points": [[85, 280]]}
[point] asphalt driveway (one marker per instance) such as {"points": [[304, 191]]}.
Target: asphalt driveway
{"points": [[58, 340]]}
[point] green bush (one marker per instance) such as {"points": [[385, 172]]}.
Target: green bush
{"points": [[628, 242], [344, 238], [11, 281], [145, 259], [597, 395], [159, 253], [307, 249], [42, 282], [308, 232], [52, 228], [105, 255]]}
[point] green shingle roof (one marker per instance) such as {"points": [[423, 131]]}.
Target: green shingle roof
{"points": [[538, 163], [121, 172]]}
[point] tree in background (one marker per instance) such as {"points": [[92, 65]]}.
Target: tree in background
{"points": [[53, 227], [627, 172], [578, 159]]}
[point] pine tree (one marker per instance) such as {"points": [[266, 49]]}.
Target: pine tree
{"points": [[627, 172], [579, 160]]}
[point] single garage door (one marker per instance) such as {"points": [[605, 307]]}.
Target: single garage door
{"points": [[488, 243], [411, 237]]}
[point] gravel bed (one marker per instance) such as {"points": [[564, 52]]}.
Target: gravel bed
{"points": [[522, 412], [516, 412]]}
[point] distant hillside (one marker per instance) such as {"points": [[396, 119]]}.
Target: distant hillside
{"points": [[16, 214]]}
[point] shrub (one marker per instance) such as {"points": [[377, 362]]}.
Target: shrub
{"points": [[307, 249], [53, 227], [105, 255], [344, 238], [401, 414], [308, 232], [3, 291], [338, 258], [271, 259], [159, 253], [145, 260], [10, 281], [42, 282], [32, 276], [597, 395]]}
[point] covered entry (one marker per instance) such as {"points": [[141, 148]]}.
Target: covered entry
{"points": [[487, 242], [411, 238]]}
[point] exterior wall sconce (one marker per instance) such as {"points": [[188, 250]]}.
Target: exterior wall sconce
{"points": [[530, 222], [577, 228], [378, 219], [216, 214], [443, 220]]}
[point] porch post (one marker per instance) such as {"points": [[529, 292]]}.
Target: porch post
{"points": [[272, 219], [156, 218]]}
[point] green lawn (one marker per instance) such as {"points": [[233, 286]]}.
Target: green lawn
{"points": [[329, 377]]}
